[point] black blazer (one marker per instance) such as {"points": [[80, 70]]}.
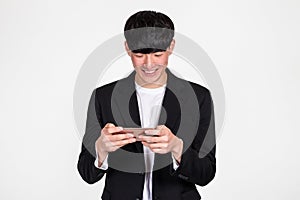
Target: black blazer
{"points": [[125, 176]]}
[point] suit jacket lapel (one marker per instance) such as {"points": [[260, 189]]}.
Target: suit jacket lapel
{"points": [[170, 114], [170, 111], [125, 108]]}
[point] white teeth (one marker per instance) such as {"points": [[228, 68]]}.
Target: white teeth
{"points": [[149, 72]]}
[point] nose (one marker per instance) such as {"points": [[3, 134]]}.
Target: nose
{"points": [[148, 61]]}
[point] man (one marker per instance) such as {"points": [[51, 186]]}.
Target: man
{"points": [[178, 152]]}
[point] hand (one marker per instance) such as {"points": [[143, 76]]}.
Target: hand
{"points": [[163, 142], [111, 139]]}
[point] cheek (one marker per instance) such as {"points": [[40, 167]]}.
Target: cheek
{"points": [[164, 60], [136, 61]]}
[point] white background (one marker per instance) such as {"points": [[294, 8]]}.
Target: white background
{"points": [[254, 45]]}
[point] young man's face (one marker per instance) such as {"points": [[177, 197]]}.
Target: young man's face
{"points": [[151, 68]]}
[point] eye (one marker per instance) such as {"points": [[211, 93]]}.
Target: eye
{"points": [[158, 55], [138, 55]]}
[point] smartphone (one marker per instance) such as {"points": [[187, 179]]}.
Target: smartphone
{"points": [[139, 131]]}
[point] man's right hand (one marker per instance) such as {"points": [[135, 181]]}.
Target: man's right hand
{"points": [[111, 139]]}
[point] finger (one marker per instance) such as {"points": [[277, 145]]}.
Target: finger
{"points": [[156, 145], [112, 130], [159, 145], [153, 139], [152, 132], [160, 127], [124, 142], [114, 148], [109, 125], [163, 130], [156, 150], [146, 144], [121, 136], [160, 151], [147, 139]]}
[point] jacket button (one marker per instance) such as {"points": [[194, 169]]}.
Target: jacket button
{"points": [[137, 199]]}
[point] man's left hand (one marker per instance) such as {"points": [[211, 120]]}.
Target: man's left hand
{"points": [[163, 142]]}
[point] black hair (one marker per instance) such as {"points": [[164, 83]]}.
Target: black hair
{"points": [[148, 32]]}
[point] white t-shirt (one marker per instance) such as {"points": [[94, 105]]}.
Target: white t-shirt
{"points": [[150, 103]]}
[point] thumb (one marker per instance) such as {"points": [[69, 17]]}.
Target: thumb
{"points": [[159, 127], [109, 125]]}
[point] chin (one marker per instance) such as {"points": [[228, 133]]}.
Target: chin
{"points": [[152, 78]]}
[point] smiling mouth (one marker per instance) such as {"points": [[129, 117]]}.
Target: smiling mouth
{"points": [[149, 71]]}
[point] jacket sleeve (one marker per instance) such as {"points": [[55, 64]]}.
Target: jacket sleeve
{"points": [[198, 162], [87, 170]]}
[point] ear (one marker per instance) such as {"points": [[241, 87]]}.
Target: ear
{"points": [[127, 48], [171, 47]]}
